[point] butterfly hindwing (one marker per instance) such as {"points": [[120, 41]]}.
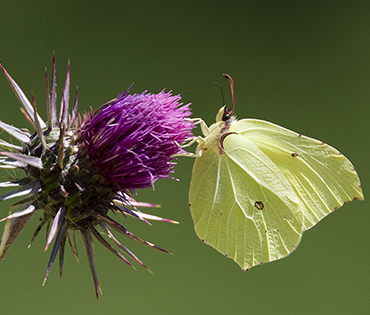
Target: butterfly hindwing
{"points": [[242, 205]]}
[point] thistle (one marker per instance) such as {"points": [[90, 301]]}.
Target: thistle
{"points": [[79, 169]]}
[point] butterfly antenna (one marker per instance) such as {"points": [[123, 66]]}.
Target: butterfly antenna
{"points": [[210, 83], [229, 112]]}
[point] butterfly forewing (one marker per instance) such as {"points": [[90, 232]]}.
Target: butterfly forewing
{"points": [[322, 178]]}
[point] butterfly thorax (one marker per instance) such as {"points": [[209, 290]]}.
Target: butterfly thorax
{"points": [[213, 140]]}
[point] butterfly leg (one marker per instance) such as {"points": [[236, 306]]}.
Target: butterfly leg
{"points": [[200, 140], [187, 143], [203, 125], [190, 141]]}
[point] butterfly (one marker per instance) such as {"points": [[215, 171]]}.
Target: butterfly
{"points": [[256, 187]]}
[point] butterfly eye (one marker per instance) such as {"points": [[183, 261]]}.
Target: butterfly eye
{"points": [[226, 116]]}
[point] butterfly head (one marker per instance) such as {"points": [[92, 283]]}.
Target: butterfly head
{"points": [[225, 114]]}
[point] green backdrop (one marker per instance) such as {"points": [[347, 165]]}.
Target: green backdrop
{"points": [[304, 65]]}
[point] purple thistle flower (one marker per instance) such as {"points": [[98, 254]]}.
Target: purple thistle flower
{"points": [[79, 169], [132, 140]]}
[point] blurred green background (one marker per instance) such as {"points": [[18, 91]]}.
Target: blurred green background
{"points": [[304, 65]]}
